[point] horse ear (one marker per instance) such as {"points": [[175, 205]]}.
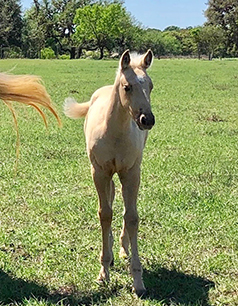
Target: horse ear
{"points": [[125, 60], [147, 59]]}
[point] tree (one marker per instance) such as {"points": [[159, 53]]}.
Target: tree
{"points": [[196, 36], [171, 28], [172, 45], [10, 23], [224, 13], [102, 25], [188, 46], [152, 39], [64, 13], [50, 24], [213, 40], [39, 29]]}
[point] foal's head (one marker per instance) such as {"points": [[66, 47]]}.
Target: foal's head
{"points": [[135, 87]]}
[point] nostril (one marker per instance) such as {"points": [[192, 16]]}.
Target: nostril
{"points": [[147, 120], [143, 119]]}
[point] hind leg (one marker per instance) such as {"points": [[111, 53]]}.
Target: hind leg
{"points": [[105, 189]]}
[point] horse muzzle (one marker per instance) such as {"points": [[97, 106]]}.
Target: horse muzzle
{"points": [[145, 121]]}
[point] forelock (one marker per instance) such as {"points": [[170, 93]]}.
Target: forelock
{"points": [[135, 58]]}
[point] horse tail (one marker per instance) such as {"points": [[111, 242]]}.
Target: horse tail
{"points": [[26, 89], [74, 110]]}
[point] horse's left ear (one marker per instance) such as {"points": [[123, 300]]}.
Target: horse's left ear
{"points": [[147, 59]]}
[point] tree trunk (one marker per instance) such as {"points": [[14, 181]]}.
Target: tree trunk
{"points": [[199, 52], [101, 53], [79, 52], [72, 52], [210, 56]]}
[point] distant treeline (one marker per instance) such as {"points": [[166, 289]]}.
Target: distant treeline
{"points": [[83, 28]]}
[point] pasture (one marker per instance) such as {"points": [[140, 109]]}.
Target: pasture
{"points": [[50, 236]]}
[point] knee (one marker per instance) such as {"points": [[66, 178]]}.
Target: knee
{"points": [[131, 220], [105, 215]]}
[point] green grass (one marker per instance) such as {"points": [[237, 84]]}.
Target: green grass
{"points": [[50, 235]]}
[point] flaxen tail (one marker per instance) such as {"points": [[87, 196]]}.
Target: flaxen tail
{"points": [[74, 110], [25, 89]]}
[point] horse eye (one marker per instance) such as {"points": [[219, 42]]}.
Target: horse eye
{"points": [[127, 88]]}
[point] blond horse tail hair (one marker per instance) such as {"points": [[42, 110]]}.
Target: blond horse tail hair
{"points": [[26, 89], [74, 110]]}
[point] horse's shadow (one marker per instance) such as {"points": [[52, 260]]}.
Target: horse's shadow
{"points": [[17, 291], [169, 287], [176, 288]]}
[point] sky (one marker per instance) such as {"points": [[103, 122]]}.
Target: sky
{"points": [[160, 14]]}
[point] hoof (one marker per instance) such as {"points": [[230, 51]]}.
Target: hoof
{"points": [[103, 276], [102, 281]]}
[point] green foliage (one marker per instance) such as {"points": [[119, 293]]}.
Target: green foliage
{"points": [[224, 14], [196, 37], [91, 55], [10, 23], [101, 24], [171, 44], [172, 28], [37, 31], [162, 43], [50, 235], [47, 53], [152, 39], [50, 24], [213, 40], [188, 46], [13, 52], [71, 26], [64, 57]]}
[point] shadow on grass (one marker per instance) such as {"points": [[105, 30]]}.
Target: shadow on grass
{"points": [[18, 291], [169, 287], [176, 288]]}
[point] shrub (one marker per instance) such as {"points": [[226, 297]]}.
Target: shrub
{"points": [[64, 57], [14, 52], [47, 53]]}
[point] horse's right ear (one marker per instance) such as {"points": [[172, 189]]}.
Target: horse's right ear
{"points": [[125, 60]]}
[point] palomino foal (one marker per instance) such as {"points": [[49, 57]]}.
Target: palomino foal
{"points": [[118, 118]]}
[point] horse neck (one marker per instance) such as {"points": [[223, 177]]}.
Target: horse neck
{"points": [[118, 116]]}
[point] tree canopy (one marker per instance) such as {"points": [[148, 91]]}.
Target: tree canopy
{"points": [[103, 25], [224, 14], [10, 23], [69, 28]]}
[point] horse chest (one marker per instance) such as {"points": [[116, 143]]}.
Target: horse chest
{"points": [[114, 153]]}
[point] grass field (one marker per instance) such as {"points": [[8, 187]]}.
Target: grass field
{"points": [[50, 235]]}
